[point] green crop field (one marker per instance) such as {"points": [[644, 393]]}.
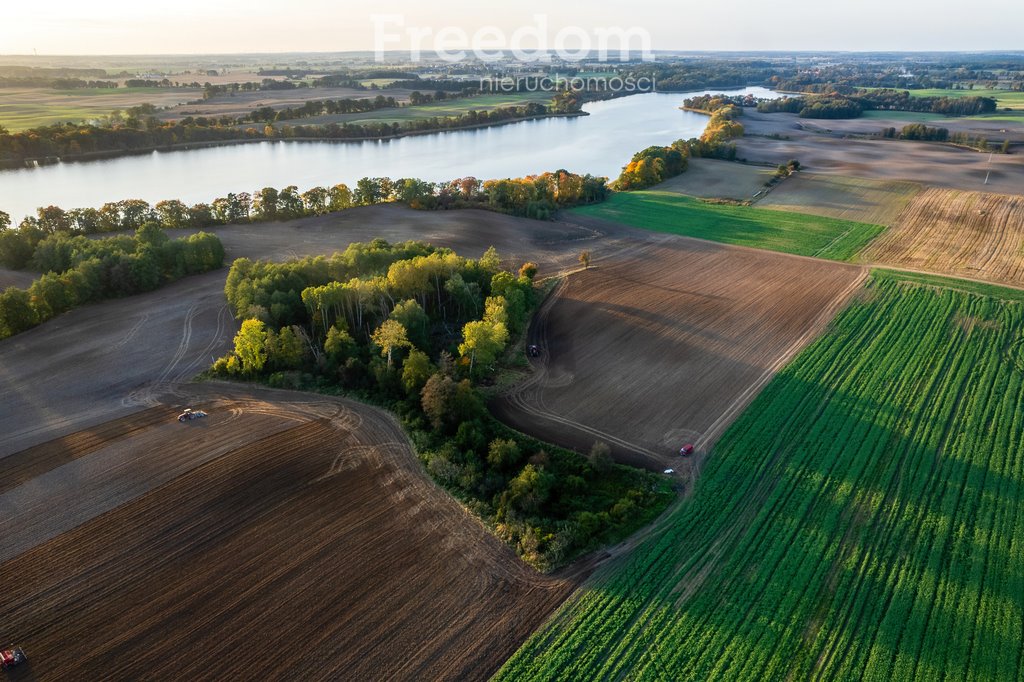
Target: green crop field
{"points": [[805, 235], [863, 519]]}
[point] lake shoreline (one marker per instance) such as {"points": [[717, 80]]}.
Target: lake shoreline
{"points": [[86, 157]]}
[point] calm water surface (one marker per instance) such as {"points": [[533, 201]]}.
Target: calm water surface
{"points": [[600, 144]]}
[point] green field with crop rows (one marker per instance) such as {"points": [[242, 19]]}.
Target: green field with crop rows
{"points": [[863, 519]]}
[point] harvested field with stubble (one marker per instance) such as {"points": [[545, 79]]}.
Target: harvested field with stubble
{"points": [[285, 536], [968, 234], [878, 202], [667, 344]]}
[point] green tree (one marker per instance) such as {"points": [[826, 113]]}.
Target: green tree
{"points": [[172, 214], [482, 341], [339, 344], [368, 192], [289, 351], [528, 491], [151, 234], [315, 200], [339, 198], [16, 312], [490, 262], [389, 336], [411, 315], [264, 204], [16, 249], [503, 453], [251, 346], [416, 370]]}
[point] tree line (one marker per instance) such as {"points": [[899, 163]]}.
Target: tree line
{"points": [[418, 329], [836, 106], [77, 270], [535, 196], [920, 131], [902, 100], [68, 140]]}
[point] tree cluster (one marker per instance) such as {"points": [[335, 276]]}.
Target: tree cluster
{"points": [[823, 106], [709, 104], [834, 105], [723, 126], [902, 100], [418, 329], [653, 165], [919, 131], [77, 270]]}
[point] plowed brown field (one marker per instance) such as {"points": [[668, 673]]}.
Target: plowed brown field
{"points": [[969, 234], [665, 345], [285, 536]]}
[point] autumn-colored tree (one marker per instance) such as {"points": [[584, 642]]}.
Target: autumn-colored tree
{"points": [[528, 270], [389, 336], [585, 259]]}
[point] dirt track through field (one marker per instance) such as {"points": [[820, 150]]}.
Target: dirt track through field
{"points": [[314, 548]]}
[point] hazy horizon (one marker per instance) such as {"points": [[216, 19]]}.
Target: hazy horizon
{"points": [[194, 27]]}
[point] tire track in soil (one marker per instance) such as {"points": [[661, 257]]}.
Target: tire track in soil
{"points": [[338, 523]]}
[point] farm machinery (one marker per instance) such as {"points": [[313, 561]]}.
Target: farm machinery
{"points": [[686, 450], [189, 415], [12, 657]]}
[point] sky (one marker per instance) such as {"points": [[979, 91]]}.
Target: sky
{"points": [[62, 27]]}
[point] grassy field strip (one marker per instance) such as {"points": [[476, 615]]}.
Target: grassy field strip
{"points": [[861, 519], [424, 111], [796, 233], [24, 108]]}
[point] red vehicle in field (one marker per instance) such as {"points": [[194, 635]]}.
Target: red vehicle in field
{"points": [[686, 450], [12, 657]]}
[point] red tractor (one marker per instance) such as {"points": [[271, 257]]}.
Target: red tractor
{"points": [[12, 657], [686, 450]]}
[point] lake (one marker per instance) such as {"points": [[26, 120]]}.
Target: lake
{"points": [[600, 144]]}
